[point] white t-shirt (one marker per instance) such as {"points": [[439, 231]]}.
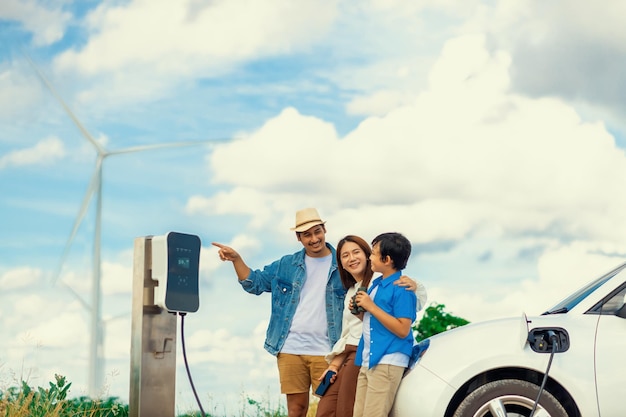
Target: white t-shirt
{"points": [[308, 334]]}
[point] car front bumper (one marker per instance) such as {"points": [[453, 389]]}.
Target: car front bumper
{"points": [[431, 399]]}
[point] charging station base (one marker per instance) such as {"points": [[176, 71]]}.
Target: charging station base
{"points": [[153, 343]]}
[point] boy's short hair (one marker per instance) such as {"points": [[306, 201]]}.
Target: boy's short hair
{"points": [[394, 245]]}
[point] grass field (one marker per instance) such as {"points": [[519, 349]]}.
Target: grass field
{"points": [[54, 401]]}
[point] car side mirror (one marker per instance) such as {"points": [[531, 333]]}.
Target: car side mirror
{"points": [[621, 312]]}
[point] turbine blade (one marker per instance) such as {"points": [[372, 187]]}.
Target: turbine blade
{"points": [[78, 297], [67, 109], [93, 185], [141, 148]]}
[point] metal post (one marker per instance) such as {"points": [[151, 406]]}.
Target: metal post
{"points": [[153, 343], [96, 348]]}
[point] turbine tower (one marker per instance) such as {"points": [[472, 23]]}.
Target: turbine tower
{"points": [[96, 349]]}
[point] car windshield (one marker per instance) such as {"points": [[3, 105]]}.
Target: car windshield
{"points": [[571, 301]]}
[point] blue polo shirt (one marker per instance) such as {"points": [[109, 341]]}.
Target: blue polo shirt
{"points": [[399, 303]]}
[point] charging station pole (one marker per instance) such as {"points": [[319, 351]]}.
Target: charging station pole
{"points": [[153, 343]]}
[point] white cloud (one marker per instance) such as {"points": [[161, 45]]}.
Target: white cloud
{"points": [[61, 330], [562, 269], [573, 55], [209, 260], [222, 203], [116, 278], [77, 280], [220, 346], [466, 154], [537, 21], [36, 307], [20, 278], [143, 45], [19, 93], [117, 338], [402, 9], [47, 24], [379, 103], [303, 141], [44, 152]]}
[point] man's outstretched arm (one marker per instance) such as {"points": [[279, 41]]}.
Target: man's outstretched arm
{"points": [[227, 253]]}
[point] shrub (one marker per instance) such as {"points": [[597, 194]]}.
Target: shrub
{"points": [[25, 401], [436, 320]]}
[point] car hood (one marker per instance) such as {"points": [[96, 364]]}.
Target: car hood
{"points": [[457, 354]]}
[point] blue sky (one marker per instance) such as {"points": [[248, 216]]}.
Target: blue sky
{"points": [[490, 133]]}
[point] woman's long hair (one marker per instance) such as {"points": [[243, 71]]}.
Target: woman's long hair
{"points": [[346, 278]]}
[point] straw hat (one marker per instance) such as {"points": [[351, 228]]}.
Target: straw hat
{"points": [[307, 218]]}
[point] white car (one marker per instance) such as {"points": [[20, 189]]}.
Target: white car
{"points": [[573, 355]]}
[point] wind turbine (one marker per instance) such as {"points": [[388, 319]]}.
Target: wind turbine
{"points": [[96, 351]]}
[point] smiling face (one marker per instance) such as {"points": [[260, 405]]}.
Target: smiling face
{"points": [[354, 260], [314, 241], [378, 265]]}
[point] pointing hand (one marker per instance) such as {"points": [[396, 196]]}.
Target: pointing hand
{"points": [[226, 253]]}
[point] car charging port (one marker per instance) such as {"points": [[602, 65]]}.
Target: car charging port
{"points": [[548, 339]]}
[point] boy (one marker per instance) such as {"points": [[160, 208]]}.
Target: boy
{"points": [[385, 347]]}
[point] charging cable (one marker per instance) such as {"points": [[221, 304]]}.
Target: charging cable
{"points": [[182, 337], [554, 339]]}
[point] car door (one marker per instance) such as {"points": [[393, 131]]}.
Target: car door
{"points": [[610, 354]]}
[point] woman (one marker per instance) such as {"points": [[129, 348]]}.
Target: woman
{"points": [[353, 261]]}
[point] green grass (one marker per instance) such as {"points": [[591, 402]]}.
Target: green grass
{"points": [[53, 401]]}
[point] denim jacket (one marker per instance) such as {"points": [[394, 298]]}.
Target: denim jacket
{"points": [[284, 278]]}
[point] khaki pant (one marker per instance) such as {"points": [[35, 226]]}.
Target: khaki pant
{"points": [[298, 373], [376, 390]]}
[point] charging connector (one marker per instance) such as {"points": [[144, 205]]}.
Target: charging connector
{"points": [[544, 339], [547, 340]]}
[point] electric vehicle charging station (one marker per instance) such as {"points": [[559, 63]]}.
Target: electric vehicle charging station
{"points": [[175, 265], [165, 284]]}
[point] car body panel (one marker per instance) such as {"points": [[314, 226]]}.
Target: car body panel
{"points": [[610, 357], [590, 371]]}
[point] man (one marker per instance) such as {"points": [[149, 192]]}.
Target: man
{"points": [[307, 306]]}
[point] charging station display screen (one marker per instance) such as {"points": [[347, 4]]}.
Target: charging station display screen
{"points": [[183, 253], [184, 263]]}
